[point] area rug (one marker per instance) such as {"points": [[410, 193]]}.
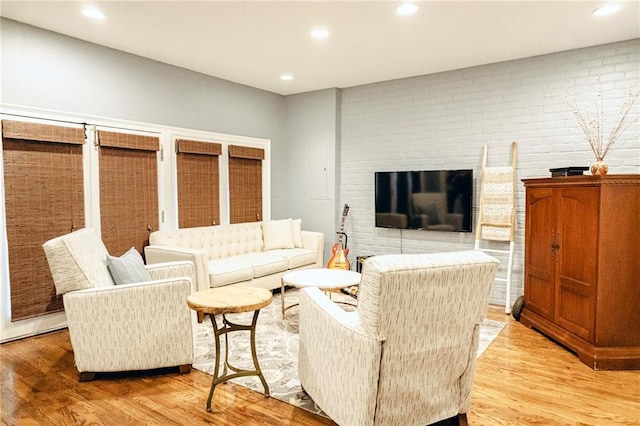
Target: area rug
{"points": [[277, 348]]}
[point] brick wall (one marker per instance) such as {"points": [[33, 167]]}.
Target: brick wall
{"points": [[443, 120]]}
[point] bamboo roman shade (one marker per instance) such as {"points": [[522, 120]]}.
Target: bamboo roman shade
{"points": [[198, 176], [245, 184], [128, 190], [44, 198], [22, 130]]}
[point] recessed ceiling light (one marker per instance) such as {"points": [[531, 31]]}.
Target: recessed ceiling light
{"points": [[320, 34], [286, 77], [93, 13], [607, 9], [407, 9]]}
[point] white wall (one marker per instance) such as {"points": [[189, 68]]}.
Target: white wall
{"points": [[443, 120], [52, 71], [312, 140], [46, 70]]}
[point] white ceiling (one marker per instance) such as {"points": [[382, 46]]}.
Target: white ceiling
{"points": [[254, 42]]}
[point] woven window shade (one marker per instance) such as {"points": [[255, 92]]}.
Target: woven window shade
{"points": [[198, 178], [125, 140], [245, 184], [128, 190], [44, 198], [237, 151], [196, 147], [25, 131]]}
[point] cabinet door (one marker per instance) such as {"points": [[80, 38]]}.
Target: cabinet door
{"points": [[577, 266], [539, 255]]}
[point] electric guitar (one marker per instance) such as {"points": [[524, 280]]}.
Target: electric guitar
{"points": [[339, 258]]}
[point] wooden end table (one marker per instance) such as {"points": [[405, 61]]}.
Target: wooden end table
{"points": [[231, 300], [325, 279]]}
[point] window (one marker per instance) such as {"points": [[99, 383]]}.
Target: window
{"points": [[198, 177], [55, 183], [44, 198], [245, 184], [128, 190]]}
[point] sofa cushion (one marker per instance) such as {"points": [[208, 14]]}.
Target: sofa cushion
{"points": [[296, 232], [228, 271], [277, 234], [217, 242], [128, 268], [297, 257], [264, 263]]}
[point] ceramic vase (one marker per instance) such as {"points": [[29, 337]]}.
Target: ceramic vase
{"points": [[599, 168]]}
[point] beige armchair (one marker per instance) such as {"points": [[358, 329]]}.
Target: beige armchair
{"points": [[139, 326], [407, 355]]}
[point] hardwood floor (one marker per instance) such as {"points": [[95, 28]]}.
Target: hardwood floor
{"points": [[522, 379]]}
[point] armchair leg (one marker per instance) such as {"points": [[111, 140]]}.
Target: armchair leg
{"points": [[462, 419], [86, 376]]}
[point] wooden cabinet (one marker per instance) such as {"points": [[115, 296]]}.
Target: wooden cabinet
{"points": [[582, 266]]}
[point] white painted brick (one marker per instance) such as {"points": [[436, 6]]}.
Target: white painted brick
{"points": [[612, 76], [603, 70], [444, 120]]}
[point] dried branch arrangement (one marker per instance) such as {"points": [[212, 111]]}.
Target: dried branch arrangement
{"points": [[591, 120]]}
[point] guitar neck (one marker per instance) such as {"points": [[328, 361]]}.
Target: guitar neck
{"points": [[345, 211]]}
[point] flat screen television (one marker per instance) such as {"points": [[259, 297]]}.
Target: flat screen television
{"points": [[434, 200]]}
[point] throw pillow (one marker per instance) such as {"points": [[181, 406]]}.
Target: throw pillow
{"points": [[128, 268], [296, 230], [277, 234]]}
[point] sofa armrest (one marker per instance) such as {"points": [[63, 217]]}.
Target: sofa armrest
{"points": [[314, 241], [112, 317], [335, 354], [163, 254]]}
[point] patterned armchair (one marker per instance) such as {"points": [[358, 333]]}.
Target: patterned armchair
{"points": [[124, 327], [407, 355]]}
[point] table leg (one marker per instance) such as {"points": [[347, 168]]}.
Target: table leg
{"points": [[284, 308], [226, 349], [282, 296], [254, 355], [216, 369], [227, 327]]}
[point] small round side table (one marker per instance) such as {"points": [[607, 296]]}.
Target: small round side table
{"points": [[231, 300], [323, 278]]}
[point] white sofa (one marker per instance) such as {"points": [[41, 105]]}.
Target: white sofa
{"points": [[254, 253]]}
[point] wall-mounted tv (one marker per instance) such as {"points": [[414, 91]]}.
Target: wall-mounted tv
{"points": [[434, 200]]}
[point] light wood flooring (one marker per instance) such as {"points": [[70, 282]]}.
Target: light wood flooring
{"points": [[522, 379]]}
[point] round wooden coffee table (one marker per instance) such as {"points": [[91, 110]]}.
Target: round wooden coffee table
{"points": [[326, 279], [231, 300]]}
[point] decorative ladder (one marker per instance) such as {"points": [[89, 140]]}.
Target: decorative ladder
{"points": [[497, 213]]}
